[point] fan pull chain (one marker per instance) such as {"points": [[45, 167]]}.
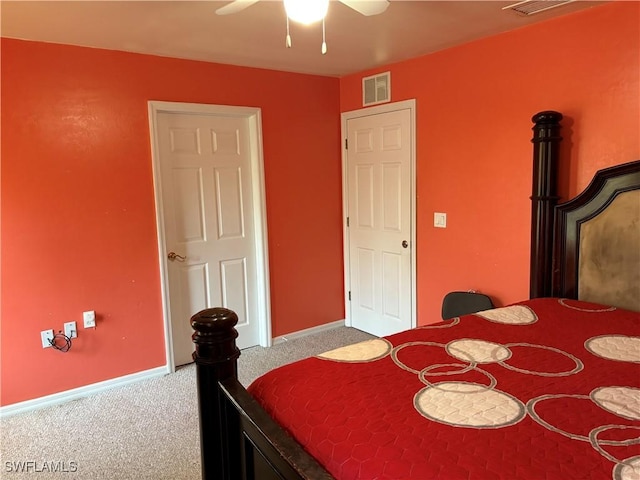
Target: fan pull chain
{"points": [[288, 41], [324, 43]]}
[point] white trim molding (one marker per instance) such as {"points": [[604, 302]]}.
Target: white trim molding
{"points": [[81, 392], [253, 115], [364, 112], [308, 331]]}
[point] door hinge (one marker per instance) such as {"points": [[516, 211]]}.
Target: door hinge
{"points": [[349, 295], [347, 221], [346, 144]]}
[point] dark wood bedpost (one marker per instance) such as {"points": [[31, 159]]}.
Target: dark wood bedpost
{"points": [[215, 357], [544, 197]]}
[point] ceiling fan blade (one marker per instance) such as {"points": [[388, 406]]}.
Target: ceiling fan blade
{"points": [[367, 7], [235, 7]]}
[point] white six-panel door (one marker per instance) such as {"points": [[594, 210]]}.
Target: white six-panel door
{"points": [[209, 233], [379, 232]]}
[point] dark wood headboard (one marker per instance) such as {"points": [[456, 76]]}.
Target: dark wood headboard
{"points": [[589, 247], [596, 254]]}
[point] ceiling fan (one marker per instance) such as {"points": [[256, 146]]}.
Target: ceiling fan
{"points": [[365, 7], [310, 11]]}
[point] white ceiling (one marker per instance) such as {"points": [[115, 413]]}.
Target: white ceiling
{"points": [[255, 37]]}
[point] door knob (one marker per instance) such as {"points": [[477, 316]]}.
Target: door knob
{"points": [[175, 256], [405, 244]]}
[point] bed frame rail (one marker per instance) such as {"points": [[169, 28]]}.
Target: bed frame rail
{"points": [[238, 439]]}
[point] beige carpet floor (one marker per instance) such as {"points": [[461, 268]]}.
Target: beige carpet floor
{"points": [[148, 430]]}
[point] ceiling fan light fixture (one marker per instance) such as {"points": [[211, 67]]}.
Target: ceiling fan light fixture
{"points": [[306, 11]]}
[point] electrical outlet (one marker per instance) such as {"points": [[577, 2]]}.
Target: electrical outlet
{"points": [[70, 329], [89, 319], [47, 337]]}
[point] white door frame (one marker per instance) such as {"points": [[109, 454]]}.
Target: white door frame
{"points": [[253, 115], [365, 112]]}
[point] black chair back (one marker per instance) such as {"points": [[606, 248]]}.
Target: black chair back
{"points": [[456, 304]]}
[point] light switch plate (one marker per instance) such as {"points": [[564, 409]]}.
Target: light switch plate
{"points": [[440, 220]]}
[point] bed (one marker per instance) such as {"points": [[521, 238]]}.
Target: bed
{"points": [[493, 395]]}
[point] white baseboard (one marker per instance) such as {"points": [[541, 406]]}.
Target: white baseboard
{"points": [[80, 392], [308, 331], [87, 390]]}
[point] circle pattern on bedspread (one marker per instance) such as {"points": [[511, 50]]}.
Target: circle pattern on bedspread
{"points": [[578, 365], [621, 401], [469, 403], [446, 324], [427, 372], [596, 443], [366, 351], [567, 302], [605, 398], [461, 394], [513, 315], [627, 470], [472, 405], [615, 347], [477, 351]]}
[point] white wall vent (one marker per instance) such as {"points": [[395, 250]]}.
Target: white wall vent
{"points": [[376, 89], [530, 7]]}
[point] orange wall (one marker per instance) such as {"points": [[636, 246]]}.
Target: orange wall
{"points": [[78, 218], [474, 158], [78, 228]]}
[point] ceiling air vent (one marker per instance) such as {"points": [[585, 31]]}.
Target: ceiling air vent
{"points": [[376, 89], [530, 7]]}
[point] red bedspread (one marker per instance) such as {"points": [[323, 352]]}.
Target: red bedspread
{"points": [[545, 389]]}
